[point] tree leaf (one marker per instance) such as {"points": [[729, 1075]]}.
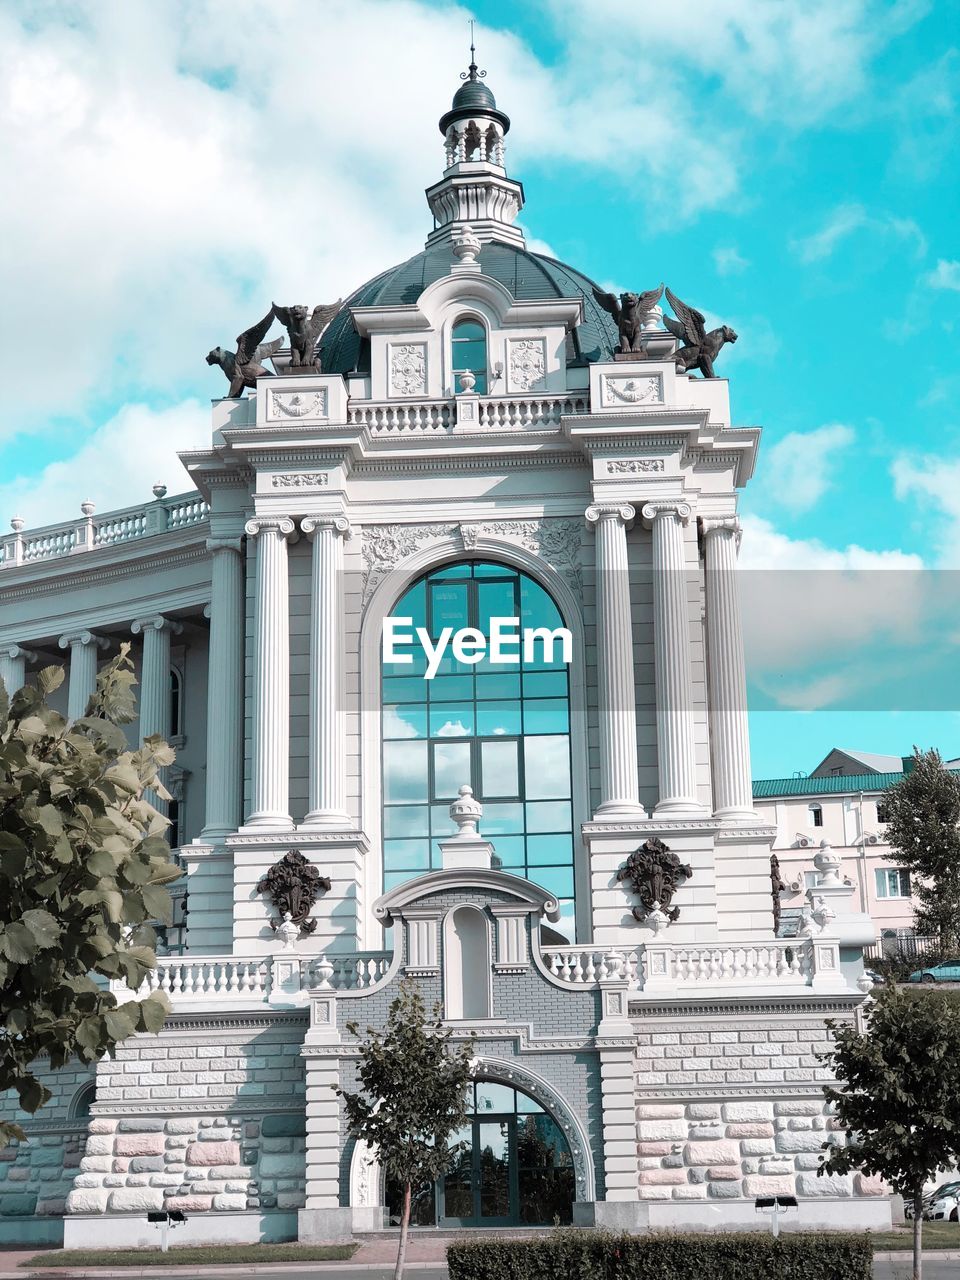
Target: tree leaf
{"points": [[17, 943], [43, 927]]}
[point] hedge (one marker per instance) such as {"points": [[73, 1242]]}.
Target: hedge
{"points": [[571, 1254]]}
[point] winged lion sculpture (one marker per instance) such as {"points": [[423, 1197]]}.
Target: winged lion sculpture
{"points": [[245, 365], [304, 328], [690, 327], [629, 313]]}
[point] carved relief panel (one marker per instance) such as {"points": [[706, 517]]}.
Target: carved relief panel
{"points": [[526, 364], [408, 369]]}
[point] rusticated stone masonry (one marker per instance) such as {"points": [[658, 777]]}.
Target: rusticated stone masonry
{"points": [[191, 1163]]}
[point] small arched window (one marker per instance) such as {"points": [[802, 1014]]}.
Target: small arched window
{"points": [[83, 1100], [815, 815], [469, 354]]}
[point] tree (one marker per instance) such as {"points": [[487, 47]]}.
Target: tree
{"points": [[83, 864], [413, 1097], [898, 1096], [923, 829]]}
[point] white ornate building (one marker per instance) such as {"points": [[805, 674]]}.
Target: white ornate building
{"points": [[471, 450]]}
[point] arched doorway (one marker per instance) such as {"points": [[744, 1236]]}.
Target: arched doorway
{"points": [[513, 1168]]}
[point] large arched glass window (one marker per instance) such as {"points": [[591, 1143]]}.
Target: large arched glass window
{"points": [[504, 729], [469, 352]]}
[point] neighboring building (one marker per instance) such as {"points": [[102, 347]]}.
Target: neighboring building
{"points": [[472, 449]]}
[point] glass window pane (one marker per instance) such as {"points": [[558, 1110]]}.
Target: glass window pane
{"points": [[502, 819], [505, 685], [401, 855], [567, 924], [545, 715], [392, 878], [451, 720], [488, 569], [510, 851], [405, 772], [408, 720], [405, 820], [556, 880], [494, 1097], [450, 688], [499, 768], [545, 850], [549, 816], [466, 329], [497, 719], [451, 769], [545, 684], [546, 767], [448, 606], [527, 1105], [494, 600], [405, 689]]}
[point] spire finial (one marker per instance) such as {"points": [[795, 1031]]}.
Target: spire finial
{"points": [[472, 73]]}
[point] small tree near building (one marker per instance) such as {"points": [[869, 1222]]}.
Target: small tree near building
{"points": [[923, 830], [413, 1097], [897, 1094], [83, 865]]}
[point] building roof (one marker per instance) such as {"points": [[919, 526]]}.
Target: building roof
{"points": [[528, 276], [769, 788], [859, 762]]}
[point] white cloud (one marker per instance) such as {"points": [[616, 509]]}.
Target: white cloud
{"points": [[938, 480], [765, 547], [729, 261], [799, 469], [117, 465], [847, 219], [946, 275]]}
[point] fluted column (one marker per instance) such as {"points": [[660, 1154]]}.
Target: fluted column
{"points": [[619, 792], [83, 646], [327, 799], [676, 748], [271, 675], [729, 730], [13, 667], [224, 794], [155, 683]]}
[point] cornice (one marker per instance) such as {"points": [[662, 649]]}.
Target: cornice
{"points": [[103, 564], [373, 465], [726, 1007]]}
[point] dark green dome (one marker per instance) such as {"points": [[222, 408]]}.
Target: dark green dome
{"points": [[473, 98], [527, 276]]}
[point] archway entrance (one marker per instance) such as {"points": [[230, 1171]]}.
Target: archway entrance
{"points": [[513, 1168]]}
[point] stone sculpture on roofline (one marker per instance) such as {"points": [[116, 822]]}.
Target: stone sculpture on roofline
{"points": [[701, 348], [245, 365], [304, 329], [630, 314]]}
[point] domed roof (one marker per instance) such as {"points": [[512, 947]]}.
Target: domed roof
{"points": [[473, 98], [527, 276]]}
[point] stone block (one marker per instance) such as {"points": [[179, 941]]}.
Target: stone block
{"points": [[757, 1146], [808, 1184], [100, 1145], [661, 1130], [711, 1153], [290, 1199], [98, 1125], [870, 1186], [749, 1130], [96, 1164], [152, 1124], [19, 1173], [139, 1144], [690, 1192], [135, 1200], [91, 1180], [87, 1200], [277, 1144], [654, 1148], [213, 1153], [738, 1112], [220, 1134], [225, 1171], [703, 1111], [758, 1185], [53, 1207], [661, 1177], [179, 1142], [724, 1190], [137, 1180], [240, 1185], [18, 1204], [180, 1125], [798, 1107], [226, 1200], [189, 1204], [808, 1160], [724, 1173], [121, 1166], [146, 1164], [654, 1193], [790, 1142], [706, 1132], [164, 1180], [800, 1123], [648, 1111]]}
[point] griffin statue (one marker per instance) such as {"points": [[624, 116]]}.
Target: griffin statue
{"points": [[303, 329], [654, 874], [701, 348], [245, 365], [629, 313]]}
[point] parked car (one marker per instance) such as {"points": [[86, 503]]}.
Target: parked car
{"points": [[944, 1204], [946, 971]]}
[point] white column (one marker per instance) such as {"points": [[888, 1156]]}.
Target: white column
{"points": [[676, 750], [619, 792], [155, 684], [271, 675], [327, 799], [729, 731], [83, 646], [13, 667], [224, 793]]}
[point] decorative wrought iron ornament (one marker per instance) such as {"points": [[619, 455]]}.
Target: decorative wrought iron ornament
{"points": [[293, 884], [655, 874]]}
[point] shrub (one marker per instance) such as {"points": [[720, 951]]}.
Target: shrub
{"points": [[570, 1254]]}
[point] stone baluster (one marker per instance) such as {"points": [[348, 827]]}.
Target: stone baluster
{"points": [[619, 791], [729, 732], [676, 749], [327, 801], [224, 792], [13, 667], [83, 646], [271, 675], [155, 684]]}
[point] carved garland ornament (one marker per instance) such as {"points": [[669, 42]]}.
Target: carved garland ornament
{"points": [[528, 363], [655, 874], [301, 480], [408, 370], [293, 884], [634, 466], [298, 404]]}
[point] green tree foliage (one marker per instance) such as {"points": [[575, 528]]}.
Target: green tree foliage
{"points": [[83, 865], [897, 1096], [923, 829], [413, 1097]]}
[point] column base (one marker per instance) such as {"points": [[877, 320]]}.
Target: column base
{"points": [[328, 820], [680, 807], [733, 815], [268, 822], [620, 810]]}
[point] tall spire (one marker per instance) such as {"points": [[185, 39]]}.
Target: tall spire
{"points": [[475, 188]]}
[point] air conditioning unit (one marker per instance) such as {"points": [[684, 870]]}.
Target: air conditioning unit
{"points": [[803, 842], [871, 839], [796, 886]]}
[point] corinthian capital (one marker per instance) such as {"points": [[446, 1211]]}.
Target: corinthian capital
{"points": [[665, 509], [622, 511], [270, 524], [339, 524]]}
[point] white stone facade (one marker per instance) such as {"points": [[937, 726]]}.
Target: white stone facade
{"points": [[323, 497]]}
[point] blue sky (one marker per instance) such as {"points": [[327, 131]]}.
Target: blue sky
{"points": [[789, 168]]}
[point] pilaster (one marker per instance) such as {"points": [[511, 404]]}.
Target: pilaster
{"points": [[155, 683], [224, 784]]}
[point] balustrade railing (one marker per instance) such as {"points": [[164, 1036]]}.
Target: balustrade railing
{"points": [[396, 417], [658, 964]]}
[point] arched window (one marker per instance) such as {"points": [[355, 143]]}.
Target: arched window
{"points": [[503, 728], [466, 964], [83, 1100], [469, 353], [815, 815], [176, 702]]}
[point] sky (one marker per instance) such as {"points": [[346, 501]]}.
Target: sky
{"points": [[789, 168]]}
